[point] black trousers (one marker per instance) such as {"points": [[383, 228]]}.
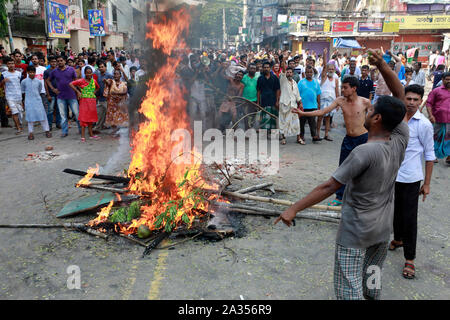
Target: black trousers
{"points": [[3, 116], [405, 216], [311, 123]]}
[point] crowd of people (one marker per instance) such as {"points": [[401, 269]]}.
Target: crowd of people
{"points": [[274, 89], [94, 87]]}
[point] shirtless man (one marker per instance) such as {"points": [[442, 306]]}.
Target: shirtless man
{"points": [[354, 109]]}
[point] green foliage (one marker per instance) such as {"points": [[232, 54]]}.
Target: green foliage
{"points": [[119, 215], [3, 19], [209, 21], [174, 206], [134, 211]]}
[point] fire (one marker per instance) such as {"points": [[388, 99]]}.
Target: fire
{"points": [[87, 178], [171, 186], [103, 215]]}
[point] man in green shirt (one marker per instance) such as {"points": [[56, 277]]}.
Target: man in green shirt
{"points": [[250, 93]]}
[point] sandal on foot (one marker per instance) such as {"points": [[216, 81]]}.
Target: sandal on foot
{"points": [[300, 140], [48, 134], [334, 203], [317, 139], [409, 271], [393, 245], [328, 138], [94, 137], [283, 141], [83, 139], [30, 136]]}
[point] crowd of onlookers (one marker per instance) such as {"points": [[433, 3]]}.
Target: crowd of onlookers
{"points": [[225, 89], [95, 87]]}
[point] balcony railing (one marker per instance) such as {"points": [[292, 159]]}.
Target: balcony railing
{"points": [[28, 27]]}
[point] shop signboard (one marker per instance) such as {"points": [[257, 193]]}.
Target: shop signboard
{"points": [[316, 24], [412, 22], [370, 26], [343, 26]]}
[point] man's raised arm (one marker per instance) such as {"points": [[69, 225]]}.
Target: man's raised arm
{"points": [[390, 77]]}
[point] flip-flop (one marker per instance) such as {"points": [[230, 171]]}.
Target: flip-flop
{"points": [[334, 203], [406, 274], [327, 138], [83, 139], [300, 141], [283, 141]]}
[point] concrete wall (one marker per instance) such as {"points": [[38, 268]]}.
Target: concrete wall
{"points": [[79, 39], [113, 41]]}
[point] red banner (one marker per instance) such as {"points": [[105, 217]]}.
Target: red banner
{"points": [[343, 26]]}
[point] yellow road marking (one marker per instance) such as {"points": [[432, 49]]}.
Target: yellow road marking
{"points": [[158, 275]]}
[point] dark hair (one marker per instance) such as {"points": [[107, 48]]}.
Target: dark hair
{"points": [[101, 62], [7, 59], [251, 64], [392, 111], [289, 68], [133, 68], [365, 67], [415, 88], [440, 67], [445, 75], [266, 62], [243, 56], [50, 58], [31, 68], [91, 60], [87, 67], [351, 80], [115, 63], [419, 64], [62, 57], [408, 69], [309, 67]]}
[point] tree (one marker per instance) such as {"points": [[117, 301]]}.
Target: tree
{"points": [[3, 19], [211, 18]]}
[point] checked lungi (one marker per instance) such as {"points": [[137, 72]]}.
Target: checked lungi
{"points": [[357, 272]]}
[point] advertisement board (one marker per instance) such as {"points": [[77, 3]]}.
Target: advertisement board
{"points": [[57, 20], [96, 23], [370, 26]]}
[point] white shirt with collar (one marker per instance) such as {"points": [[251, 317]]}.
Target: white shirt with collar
{"points": [[419, 78], [420, 146]]}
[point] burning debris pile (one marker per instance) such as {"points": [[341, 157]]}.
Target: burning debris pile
{"points": [[163, 191], [166, 189]]}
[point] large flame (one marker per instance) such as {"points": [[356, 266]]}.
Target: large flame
{"points": [[153, 170]]}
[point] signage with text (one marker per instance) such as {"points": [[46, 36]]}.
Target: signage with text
{"points": [[316, 25], [57, 20], [421, 22], [370, 26], [343, 26]]}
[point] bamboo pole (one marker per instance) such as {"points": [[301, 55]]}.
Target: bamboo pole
{"points": [[256, 187], [301, 215], [77, 226], [276, 201]]}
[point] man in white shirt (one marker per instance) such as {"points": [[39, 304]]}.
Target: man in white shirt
{"points": [[410, 174], [13, 93], [418, 74], [40, 76], [431, 62]]}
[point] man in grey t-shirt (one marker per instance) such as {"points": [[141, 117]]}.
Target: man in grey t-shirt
{"points": [[368, 203]]}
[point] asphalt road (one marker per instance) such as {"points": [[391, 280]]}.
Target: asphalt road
{"points": [[268, 262]]}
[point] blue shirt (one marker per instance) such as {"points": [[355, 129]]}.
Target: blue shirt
{"points": [[309, 90], [401, 73]]}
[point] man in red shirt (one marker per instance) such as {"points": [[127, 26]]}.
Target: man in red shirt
{"points": [[19, 65]]}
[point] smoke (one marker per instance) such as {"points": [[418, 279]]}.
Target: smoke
{"points": [[120, 157]]}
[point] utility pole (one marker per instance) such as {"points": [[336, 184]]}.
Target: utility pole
{"points": [[98, 43], [244, 20], [224, 44], [11, 42]]}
